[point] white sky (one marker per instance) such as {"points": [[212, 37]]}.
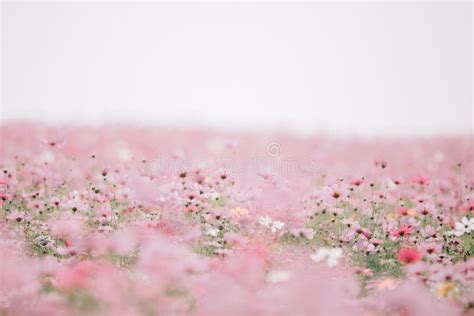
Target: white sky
{"points": [[369, 69]]}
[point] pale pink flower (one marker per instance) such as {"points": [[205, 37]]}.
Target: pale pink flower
{"points": [[335, 192], [16, 216]]}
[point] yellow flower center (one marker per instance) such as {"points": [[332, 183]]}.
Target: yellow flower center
{"points": [[445, 289]]}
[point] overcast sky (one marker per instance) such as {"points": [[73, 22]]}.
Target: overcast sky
{"points": [[354, 69]]}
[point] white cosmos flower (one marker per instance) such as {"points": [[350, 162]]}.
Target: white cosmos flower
{"points": [[277, 225], [391, 185], [265, 221], [464, 227], [330, 255], [274, 226], [213, 232], [214, 195]]}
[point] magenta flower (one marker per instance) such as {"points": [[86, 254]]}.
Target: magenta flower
{"points": [[403, 231]]}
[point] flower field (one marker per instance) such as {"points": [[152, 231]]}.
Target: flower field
{"points": [[128, 220]]}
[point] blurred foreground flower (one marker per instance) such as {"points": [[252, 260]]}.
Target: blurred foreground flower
{"points": [[408, 255]]}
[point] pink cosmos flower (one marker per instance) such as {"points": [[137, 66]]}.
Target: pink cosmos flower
{"points": [[364, 245], [16, 215], [403, 211], [444, 273], [376, 242], [335, 192], [350, 223], [426, 209], [421, 180], [431, 249], [267, 176], [357, 182], [403, 231], [380, 163], [428, 231], [363, 232], [53, 143], [191, 208], [55, 201], [336, 211]]}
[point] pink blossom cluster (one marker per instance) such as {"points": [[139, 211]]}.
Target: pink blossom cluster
{"points": [[128, 220]]}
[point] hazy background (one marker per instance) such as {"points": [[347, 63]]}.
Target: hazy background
{"points": [[354, 69]]}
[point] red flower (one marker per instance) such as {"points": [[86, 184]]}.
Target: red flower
{"points": [[408, 255]]}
